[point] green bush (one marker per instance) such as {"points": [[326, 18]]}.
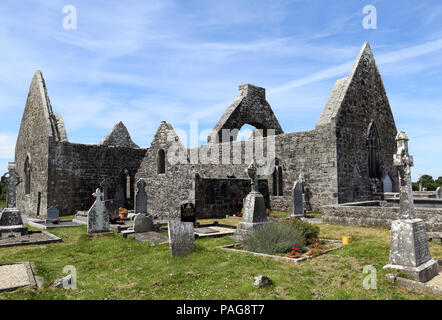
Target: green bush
{"points": [[310, 231], [273, 238]]}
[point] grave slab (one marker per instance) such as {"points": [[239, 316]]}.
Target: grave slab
{"points": [[16, 275], [31, 238], [154, 238]]}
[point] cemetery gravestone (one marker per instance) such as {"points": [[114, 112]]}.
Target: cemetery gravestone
{"points": [[181, 238], [409, 250], [142, 223], [298, 208], [254, 215], [141, 197], [51, 214], [98, 216], [188, 212]]}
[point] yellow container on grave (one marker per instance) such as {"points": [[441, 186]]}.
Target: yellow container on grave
{"points": [[346, 240]]}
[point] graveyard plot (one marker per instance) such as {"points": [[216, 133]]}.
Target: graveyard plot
{"points": [[114, 268], [319, 248]]}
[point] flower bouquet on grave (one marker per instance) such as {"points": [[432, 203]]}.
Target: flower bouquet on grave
{"points": [[55, 221], [123, 212], [294, 253]]}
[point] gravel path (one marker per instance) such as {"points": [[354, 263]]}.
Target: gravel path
{"points": [[13, 275]]}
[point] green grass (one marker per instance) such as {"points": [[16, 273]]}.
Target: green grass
{"points": [[117, 268], [3, 203]]}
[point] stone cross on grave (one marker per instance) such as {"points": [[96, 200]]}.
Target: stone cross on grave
{"points": [[252, 171], [403, 161], [97, 194], [13, 181]]}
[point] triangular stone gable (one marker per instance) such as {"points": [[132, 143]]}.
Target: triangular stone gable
{"points": [[250, 107], [356, 81], [119, 137], [38, 114], [165, 136]]}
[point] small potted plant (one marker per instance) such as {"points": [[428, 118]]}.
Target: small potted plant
{"points": [[123, 212], [293, 253]]}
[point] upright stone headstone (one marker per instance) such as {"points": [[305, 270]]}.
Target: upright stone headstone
{"points": [[51, 214], [13, 181], [254, 215], [420, 182], [409, 250], [188, 212], [98, 216], [142, 223], [141, 197], [298, 207], [11, 222], [119, 195], [181, 238], [439, 192]]}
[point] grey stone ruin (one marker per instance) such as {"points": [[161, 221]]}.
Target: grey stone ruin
{"points": [[51, 214], [98, 215], [409, 250], [181, 238], [254, 215], [439, 192], [11, 222], [142, 223], [141, 197], [298, 200]]}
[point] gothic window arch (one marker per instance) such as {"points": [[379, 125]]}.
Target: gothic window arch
{"points": [[374, 163], [161, 161], [27, 170], [277, 179]]}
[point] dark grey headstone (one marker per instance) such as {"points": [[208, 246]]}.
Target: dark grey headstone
{"points": [[181, 238], [51, 214], [188, 212], [10, 217], [298, 208], [141, 197], [142, 223]]}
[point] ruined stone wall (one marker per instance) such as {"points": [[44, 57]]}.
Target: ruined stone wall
{"points": [[76, 171], [216, 198], [312, 153], [376, 216]]}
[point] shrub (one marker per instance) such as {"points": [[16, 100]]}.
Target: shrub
{"points": [[273, 238], [310, 231]]}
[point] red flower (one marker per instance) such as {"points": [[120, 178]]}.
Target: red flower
{"points": [[294, 248]]}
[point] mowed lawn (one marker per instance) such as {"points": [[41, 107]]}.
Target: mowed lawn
{"points": [[117, 268]]}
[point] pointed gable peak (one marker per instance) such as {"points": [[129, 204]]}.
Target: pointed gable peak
{"points": [[119, 137]]}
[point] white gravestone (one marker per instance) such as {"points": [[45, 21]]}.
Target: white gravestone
{"points": [[181, 238], [98, 216]]}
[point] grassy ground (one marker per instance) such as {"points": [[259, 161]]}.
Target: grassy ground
{"points": [[117, 268], [3, 203]]}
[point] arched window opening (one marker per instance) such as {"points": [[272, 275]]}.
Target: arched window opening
{"points": [[374, 163], [161, 161], [27, 170], [277, 179]]}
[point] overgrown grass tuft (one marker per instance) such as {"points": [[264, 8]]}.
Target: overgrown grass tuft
{"points": [[273, 238]]}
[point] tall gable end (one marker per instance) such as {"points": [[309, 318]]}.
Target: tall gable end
{"points": [[119, 137], [250, 107]]}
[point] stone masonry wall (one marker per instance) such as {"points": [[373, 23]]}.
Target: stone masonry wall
{"points": [[312, 153], [76, 171], [377, 216]]}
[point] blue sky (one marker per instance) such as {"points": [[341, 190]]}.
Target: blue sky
{"points": [[146, 61]]}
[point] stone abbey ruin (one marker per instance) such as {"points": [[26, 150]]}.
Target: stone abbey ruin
{"points": [[347, 157]]}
